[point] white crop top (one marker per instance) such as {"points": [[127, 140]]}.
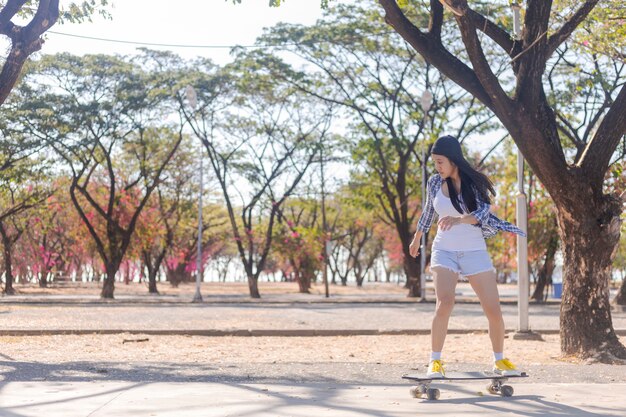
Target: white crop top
{"points": [[460, 237]]}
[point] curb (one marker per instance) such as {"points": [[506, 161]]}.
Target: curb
{"points": [[209, 302], [261, 332]]}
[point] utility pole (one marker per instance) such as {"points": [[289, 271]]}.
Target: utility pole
{"points": [[324, 225]]}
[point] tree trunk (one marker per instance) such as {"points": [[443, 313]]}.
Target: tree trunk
{"points": [[412, 272], [127, 274], [179, 274], [253, 285], [153, 266], [108, 287], [43, 281], [8, 267], [303, 283], [358, 273], [8, 286], [304, 274], [344, 280], [589, 234], [544, 276], [152, 280]]}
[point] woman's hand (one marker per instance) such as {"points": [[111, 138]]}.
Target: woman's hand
{"points": [[414, 247], [446, 223]]}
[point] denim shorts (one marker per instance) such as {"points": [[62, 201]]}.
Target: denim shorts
{"points": [[462, 262]]}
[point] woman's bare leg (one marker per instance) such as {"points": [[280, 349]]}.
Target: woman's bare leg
{"points": [[445, 284], [486, 288]]}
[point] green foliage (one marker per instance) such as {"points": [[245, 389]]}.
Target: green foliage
{"points": [[84, 11], [603, 32], [74, 12]]}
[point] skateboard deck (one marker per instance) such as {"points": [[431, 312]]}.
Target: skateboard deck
{"points": [[495, 385]]}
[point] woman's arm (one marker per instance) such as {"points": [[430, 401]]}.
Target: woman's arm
{"points": [[446, 222], [428, 212], [426, 219]]}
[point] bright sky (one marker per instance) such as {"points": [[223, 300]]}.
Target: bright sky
{"points": [[187, 22], [183, 22]]}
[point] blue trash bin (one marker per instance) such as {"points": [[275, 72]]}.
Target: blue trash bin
{"points": [[557, 289]]}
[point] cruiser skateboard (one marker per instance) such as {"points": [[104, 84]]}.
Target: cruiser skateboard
{"points": [[495, 386]]}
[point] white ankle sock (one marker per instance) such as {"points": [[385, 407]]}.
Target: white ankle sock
{"points": [[434, 356], [498, 356]]}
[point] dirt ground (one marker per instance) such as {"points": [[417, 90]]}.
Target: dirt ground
{"points": [[217, 288], [465, 348]]}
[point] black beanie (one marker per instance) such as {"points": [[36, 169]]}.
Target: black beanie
{"points": [[449, 147]]}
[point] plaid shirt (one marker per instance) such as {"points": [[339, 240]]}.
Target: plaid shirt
{"points": [[487, 221]]}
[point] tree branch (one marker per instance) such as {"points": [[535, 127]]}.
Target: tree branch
{"points": [[495, 32], [570, 25], [531, 62], [436, 19], [432, 51], [483, 71], [596, 157], [7, 13], [24, 40]]}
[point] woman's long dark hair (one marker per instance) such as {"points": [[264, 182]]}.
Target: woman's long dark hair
{"points": [[474, 184]]}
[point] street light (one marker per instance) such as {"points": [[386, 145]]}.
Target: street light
{"points": [[192, 100], [191, 96], [523, 284], [426, 101], [517, 25], [522, 250]]}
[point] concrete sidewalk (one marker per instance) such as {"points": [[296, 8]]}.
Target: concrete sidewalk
{"points": [[91, 389], [464, 294], [125, 399]]}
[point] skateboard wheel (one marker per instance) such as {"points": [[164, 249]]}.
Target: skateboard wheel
{"points": [[492, 389], [506, 390], [433, 394], [416, 392]]}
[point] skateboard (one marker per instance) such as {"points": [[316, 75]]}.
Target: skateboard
{"points": [[495, 386]]}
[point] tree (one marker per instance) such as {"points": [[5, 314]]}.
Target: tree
{"points": [[298, 242], [260, 133], [355, 63], [26, 39], [55, 245], [104, 118], [21, 189], [588, 218]]}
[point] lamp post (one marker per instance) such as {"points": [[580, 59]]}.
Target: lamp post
{"points": [[426, 102], [523, 282], [517, 20], [522, 250], [324, 225], [192, 100]]}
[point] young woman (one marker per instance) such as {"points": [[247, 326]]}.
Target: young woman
{"points": [[460, 196]]}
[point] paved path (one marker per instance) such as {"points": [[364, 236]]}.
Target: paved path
{"points": [[92, 389], [122, 399], [272, 318]]}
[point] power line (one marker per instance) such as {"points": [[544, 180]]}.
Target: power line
{"points": [[167, 45], [93, 38]]}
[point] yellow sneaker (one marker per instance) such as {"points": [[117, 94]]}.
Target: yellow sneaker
{"points": [[504, 367], [435, 369]]}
